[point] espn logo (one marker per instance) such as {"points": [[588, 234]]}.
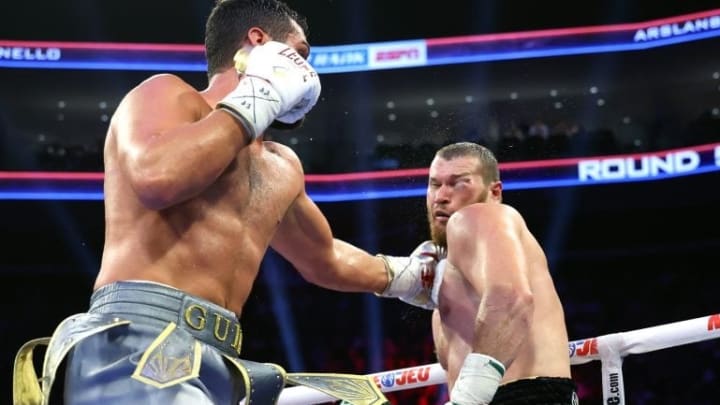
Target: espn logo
{"points": [[397, 54]]}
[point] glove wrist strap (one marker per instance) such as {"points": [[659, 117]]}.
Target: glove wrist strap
{"points": [[254, 103], [390, 276]]}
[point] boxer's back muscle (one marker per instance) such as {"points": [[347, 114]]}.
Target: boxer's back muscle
{"points": [[211, 245]]}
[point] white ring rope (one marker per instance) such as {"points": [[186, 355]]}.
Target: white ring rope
{"points": [[608, 349]]}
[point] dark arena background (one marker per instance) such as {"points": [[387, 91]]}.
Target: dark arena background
{"points": [[604, 115]]}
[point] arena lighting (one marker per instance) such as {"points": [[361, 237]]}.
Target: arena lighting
{"points": [[379, 55], [404, 183]]}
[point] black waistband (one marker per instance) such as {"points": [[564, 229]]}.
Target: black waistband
{"points": [[537, 391], [159, 304]]}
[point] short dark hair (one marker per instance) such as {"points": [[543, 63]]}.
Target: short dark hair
{"points": [[488, 163], [230, 20]]}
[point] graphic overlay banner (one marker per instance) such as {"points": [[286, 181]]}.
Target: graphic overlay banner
{"points": [[380, 55], [689, 161]]}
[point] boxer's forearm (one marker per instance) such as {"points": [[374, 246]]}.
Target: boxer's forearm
{"points": [[354, 269]]}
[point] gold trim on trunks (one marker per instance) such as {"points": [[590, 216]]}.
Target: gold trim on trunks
{"points": [[196, 317], [355, 389], [170, 359], [66, 335], [26, 385]]}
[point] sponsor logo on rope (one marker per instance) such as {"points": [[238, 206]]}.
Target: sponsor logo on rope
{"points": [[614, 387], [713, 322], [403, 377], [583, 348]]}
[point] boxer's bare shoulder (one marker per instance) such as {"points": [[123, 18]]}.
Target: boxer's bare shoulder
{"points": [[163, 101], [485, 212], [285, 153], [165, 93], [163, 79]]}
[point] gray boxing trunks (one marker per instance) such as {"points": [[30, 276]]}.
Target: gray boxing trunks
{"points": [[173, 350], [143, 342]]}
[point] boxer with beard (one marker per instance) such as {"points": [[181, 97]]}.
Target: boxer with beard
{"points": [[499, 327]]}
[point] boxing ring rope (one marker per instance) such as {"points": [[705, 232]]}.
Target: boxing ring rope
{"points": [[608, 349]]}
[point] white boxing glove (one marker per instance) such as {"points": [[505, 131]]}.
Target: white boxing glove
{"points": [[277, 84], [477, 381], [413, 278]]}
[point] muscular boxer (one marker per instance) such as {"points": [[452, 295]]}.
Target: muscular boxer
{"points": [[193, 199], [499, 328]]}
